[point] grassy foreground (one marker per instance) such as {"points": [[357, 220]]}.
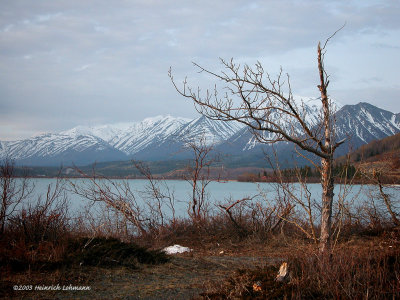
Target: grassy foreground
{"points": [[222, 265]]}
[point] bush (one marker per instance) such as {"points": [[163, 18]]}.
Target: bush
{"points": [[35, 237], [359, 272], [106, 252]]}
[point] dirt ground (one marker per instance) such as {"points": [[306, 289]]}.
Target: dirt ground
{"points": [[183, 277]]}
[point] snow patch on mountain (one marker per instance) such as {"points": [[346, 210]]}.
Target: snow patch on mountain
{"points": [[211, 132], [151, 130], [166, 135], [105, 132], [364, 122]]}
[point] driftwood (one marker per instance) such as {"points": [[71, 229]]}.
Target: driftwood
{"points": [[283, 274]]}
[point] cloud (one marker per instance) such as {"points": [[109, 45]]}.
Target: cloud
{"points": [[83, 68], [108, 62], [389, 46]]}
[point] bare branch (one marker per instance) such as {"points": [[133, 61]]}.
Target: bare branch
{"points": [[329, 38], [267, 107]]}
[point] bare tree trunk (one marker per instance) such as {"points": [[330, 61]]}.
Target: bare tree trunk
{"points": [[327, 200], [326, 163]]}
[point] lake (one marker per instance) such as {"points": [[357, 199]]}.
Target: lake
{"points": [[218, 192]]}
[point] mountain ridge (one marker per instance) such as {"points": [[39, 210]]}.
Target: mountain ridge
{"points": [[164, 137]]}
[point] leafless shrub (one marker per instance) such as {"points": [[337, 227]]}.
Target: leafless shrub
{"points": [[343, 213], [114, 194], [121, 210], [160, 198], [390, 203], [13, 191], [198, 176], [46, 219], [372, 211], [256, 214], [37, 233], [235, 212]]}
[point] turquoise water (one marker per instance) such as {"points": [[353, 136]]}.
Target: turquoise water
{"points": [[218, 193]]}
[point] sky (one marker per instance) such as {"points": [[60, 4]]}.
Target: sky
{"points": [[66, 63]]}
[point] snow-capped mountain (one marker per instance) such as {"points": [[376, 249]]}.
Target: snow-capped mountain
{"points": [[104, 132], [170, 142], [364, 123], [213, 132], [245, 140], [359, 124], [151, 131], [164, 137], [310, 112], [61, 148], [159, 137]]}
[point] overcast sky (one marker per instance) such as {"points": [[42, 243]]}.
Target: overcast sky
{"points": [[67, 63]]}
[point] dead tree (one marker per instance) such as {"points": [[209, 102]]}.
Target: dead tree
{"points": [[267, 107], [199, 177]]}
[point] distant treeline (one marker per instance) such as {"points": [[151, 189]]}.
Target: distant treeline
{"points": [[295, 174], [389, 146]]}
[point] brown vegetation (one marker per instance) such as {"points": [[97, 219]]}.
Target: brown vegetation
{"points": [[383, 156], [42, 244], [367, 269]]}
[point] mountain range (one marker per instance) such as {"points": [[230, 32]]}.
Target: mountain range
{"points": [[165, 137]]}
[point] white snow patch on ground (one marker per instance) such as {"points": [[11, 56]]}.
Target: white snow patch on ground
{"points": [[176, 249]]}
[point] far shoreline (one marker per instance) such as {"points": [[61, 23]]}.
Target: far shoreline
{"points": [[340, 182]]}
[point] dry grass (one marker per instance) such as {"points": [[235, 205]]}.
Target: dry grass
{"points": [[361, 268]]}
